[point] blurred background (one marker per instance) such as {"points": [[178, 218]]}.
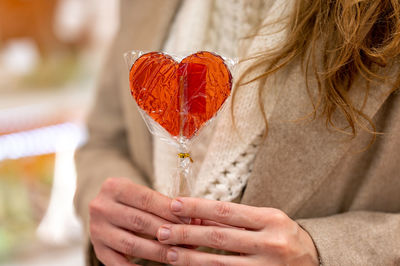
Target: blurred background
{"points": [[50, 55]]}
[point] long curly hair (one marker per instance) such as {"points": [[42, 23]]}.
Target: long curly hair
{"points": [[337, 41]]}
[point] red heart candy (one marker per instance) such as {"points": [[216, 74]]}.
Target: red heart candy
{"points": [[183, 96]]}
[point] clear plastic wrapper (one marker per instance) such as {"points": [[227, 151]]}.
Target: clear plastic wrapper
{"points": [[178, 95]]}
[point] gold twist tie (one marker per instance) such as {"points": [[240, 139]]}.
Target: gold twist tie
{"points": [[183, 155]]}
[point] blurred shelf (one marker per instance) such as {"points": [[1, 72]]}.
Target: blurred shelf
{"points": [[26, 110]]}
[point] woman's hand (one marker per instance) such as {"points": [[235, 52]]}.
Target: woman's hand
{"points": [[263, 236], [124, 218]]}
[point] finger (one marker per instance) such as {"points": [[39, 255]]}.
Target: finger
{"points": [[196, 221], [134, 220], [222, 238], [222, 212], [110, 257], [140, 197], [212, 223], [184, 257], [132, 245]]}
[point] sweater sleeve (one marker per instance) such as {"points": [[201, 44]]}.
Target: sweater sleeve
{"points": [[356, 238], [106, 153], [143, 26]]}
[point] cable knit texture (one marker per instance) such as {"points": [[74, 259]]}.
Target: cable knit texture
{"points": [[223, 155]]}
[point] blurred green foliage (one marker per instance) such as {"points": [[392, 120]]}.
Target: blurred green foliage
{"points": [[25, 186]]}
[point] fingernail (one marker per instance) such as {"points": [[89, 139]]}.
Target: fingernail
{"points": [[176, 205], [163, 233], [172, 255], [185, 220]]}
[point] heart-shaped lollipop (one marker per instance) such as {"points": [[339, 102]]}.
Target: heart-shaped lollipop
{"points": [[183, 96]]}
